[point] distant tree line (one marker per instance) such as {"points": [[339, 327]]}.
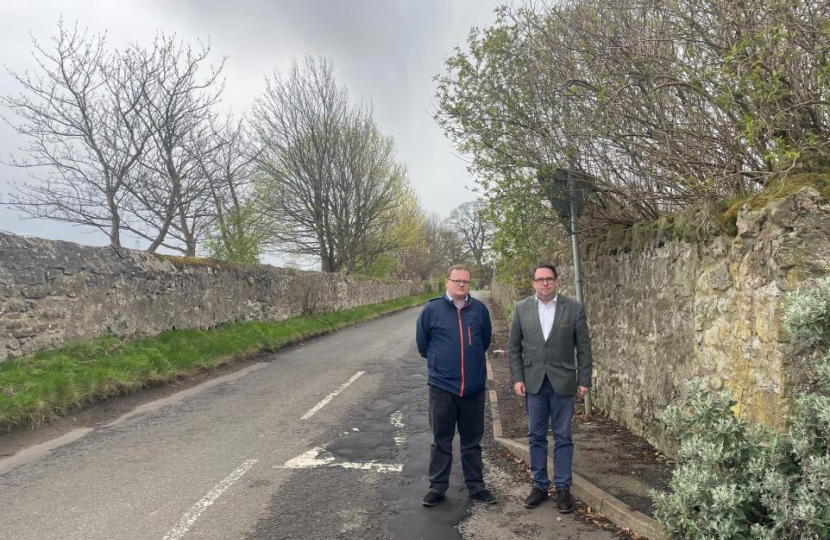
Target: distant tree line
{"points": [[130, 141]]}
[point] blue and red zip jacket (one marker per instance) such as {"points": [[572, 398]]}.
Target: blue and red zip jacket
{"points": [[454, 342]]}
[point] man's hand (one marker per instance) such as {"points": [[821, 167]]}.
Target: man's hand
{"points": [[519, 388], [581, 391]]}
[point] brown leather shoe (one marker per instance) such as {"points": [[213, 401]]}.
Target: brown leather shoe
{"points": [[564, 501], [536, 497]]}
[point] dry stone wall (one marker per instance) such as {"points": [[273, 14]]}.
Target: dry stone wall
{"points": [[673, 310], [56, 292]]}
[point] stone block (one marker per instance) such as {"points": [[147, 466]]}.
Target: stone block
{"points": [[720, 278]]}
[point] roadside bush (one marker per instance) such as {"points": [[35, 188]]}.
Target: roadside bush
{"points": [[807, 316], [739, 482]]}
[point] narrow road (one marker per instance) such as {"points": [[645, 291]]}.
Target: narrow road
{"points": [[327, 440]]}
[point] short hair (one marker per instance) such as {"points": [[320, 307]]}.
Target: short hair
{"points": [[544, 265], [460, 267]]}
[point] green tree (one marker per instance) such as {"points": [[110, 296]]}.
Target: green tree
{"points": [[667, 106], [237, 237], [238, 231], [330, 179]]}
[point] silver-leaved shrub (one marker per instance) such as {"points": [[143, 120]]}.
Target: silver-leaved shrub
{"points": [[739, 482]]}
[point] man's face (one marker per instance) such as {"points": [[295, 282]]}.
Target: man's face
{"points": [[545, 284], [458, 284]]}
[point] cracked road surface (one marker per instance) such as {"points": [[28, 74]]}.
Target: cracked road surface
{"points": [[327, 440]]}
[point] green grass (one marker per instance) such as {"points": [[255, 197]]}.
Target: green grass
{"points": [[57, 381]]}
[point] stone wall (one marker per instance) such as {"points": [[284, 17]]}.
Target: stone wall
{"points": [[671, 310], [504, 295], [55, 292]]}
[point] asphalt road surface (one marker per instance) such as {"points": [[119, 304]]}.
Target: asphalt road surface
{"points": [[328, 440]]}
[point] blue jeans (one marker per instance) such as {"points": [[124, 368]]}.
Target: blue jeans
{"points": [[543, 409], [447, 412]]}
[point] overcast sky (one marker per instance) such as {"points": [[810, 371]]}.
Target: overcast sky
{"points": [[385, 50]]}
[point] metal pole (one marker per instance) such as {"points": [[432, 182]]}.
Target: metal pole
{"points": [[577, 269]]}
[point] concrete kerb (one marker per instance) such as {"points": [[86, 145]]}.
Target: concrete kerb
{"points": [[601, 501]]}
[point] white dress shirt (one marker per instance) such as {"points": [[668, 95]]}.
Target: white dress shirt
{"points": [[546, 314], [458, 305]]}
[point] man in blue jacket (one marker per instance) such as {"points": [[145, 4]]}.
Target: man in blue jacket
{"points": [[453, 333]]}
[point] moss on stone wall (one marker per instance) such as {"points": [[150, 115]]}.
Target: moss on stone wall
{"points": [[696, 225], [214, 263], [192, 261], [622, 239], [778, 189]]}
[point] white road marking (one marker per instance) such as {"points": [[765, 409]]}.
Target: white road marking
{"points": [[313, 459], [397, 421], [331, 396], [318, 457], [309, 460], [371, 466], [190, 517]]}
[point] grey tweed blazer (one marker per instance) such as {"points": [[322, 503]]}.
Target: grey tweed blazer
{"points": [[532, 357]]}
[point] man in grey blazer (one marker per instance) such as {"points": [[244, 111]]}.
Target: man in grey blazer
{"points": [[546, 330]]}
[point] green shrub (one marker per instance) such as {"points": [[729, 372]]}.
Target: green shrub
{"points": [[736, 482], [807, 316]]}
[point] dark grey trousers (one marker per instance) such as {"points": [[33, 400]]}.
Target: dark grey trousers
{"points": [[446, 412]]}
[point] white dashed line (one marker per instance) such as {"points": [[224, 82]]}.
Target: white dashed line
{"points": [[331, 396], [190, 517]]}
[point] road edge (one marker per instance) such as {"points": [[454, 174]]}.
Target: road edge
{"points": [[601, 501], [47, 435]]}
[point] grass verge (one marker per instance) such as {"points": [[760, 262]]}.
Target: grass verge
{"points": [[56, 381]]}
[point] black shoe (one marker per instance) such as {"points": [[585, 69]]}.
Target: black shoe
{"points": [[536, 497], [483, 496], [564, 501], [432, 498]]}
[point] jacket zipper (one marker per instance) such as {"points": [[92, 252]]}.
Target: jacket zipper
{"points": [[461, 335], [470, 335]]}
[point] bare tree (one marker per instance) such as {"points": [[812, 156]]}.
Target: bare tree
{"points": [[239, 232], [434, 249], [470, 222], [81, 113], [371, 189], [171, 194], [329, 176]]}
